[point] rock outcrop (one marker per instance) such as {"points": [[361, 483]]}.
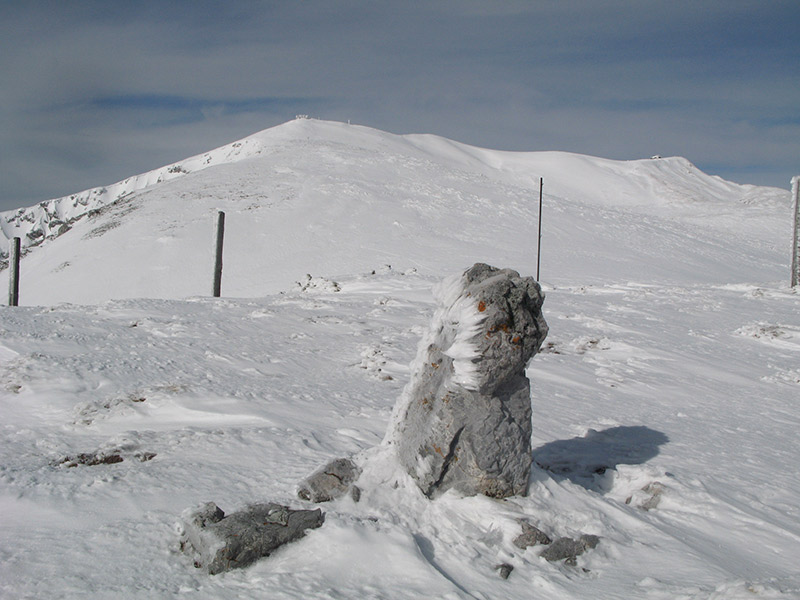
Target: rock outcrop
{"points": [[464, 420]]}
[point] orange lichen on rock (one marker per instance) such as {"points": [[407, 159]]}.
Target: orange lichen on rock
{"points": [[501, 327]]}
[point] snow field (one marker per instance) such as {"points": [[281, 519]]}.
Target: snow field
{"points": [[241, 398]]}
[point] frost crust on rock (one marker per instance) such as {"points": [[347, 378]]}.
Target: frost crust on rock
{"points": [[464, 419]]}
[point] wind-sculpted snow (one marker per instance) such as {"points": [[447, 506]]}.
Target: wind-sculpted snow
{"points": [[672, 441]]}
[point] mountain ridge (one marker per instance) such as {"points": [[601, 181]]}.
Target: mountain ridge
{"points": [[335, 199], [50, 218]]}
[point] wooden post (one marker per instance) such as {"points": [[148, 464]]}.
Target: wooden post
{"points": [[539, 245], [13, 272], [218, 258], [796, 242]]}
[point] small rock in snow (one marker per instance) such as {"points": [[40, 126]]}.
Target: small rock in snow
{"points": [[330, 482], [505, 570], [91, 460], [569, 549], [655, 490], [238, 540], [530, 536]]}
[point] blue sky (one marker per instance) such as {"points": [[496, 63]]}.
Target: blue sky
{"points": [[94, 92]]}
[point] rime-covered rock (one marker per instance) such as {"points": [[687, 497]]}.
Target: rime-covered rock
{"points": [[464, 420], [221, 543], [330, 482]]}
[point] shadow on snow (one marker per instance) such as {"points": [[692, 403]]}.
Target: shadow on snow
{"points": [[585, 460]]}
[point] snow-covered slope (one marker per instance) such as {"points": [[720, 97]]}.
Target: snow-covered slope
{"points": [[665, 397], [330, 198]]}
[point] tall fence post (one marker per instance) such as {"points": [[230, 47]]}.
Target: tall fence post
{"points": [[539, 244], [796, 242], [13, 272], [218, 256]]}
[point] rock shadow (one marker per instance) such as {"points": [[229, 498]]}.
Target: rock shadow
{"points": [[590, 460]]}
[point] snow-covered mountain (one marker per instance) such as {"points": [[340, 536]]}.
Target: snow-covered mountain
{"points": [[664, 399], [330, 199]]}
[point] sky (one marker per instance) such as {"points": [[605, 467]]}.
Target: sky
{"points": [[96, 91]]}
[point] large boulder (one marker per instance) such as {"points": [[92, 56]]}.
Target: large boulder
{"points": [[464, 420]]}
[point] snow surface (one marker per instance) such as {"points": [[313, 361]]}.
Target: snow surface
{"points": [[672, 358]]}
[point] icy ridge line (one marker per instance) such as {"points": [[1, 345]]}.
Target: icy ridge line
{"points": [[52, 218]]}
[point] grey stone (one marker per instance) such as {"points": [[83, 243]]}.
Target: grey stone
{"points": [[355, 493], [569, 549], [330, 482], [464, 421], [589, 541], [228, 542], [530, 536], [505, 570], [206, 514]]}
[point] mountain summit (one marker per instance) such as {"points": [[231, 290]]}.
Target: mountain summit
{"points": [[330, 198]]}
